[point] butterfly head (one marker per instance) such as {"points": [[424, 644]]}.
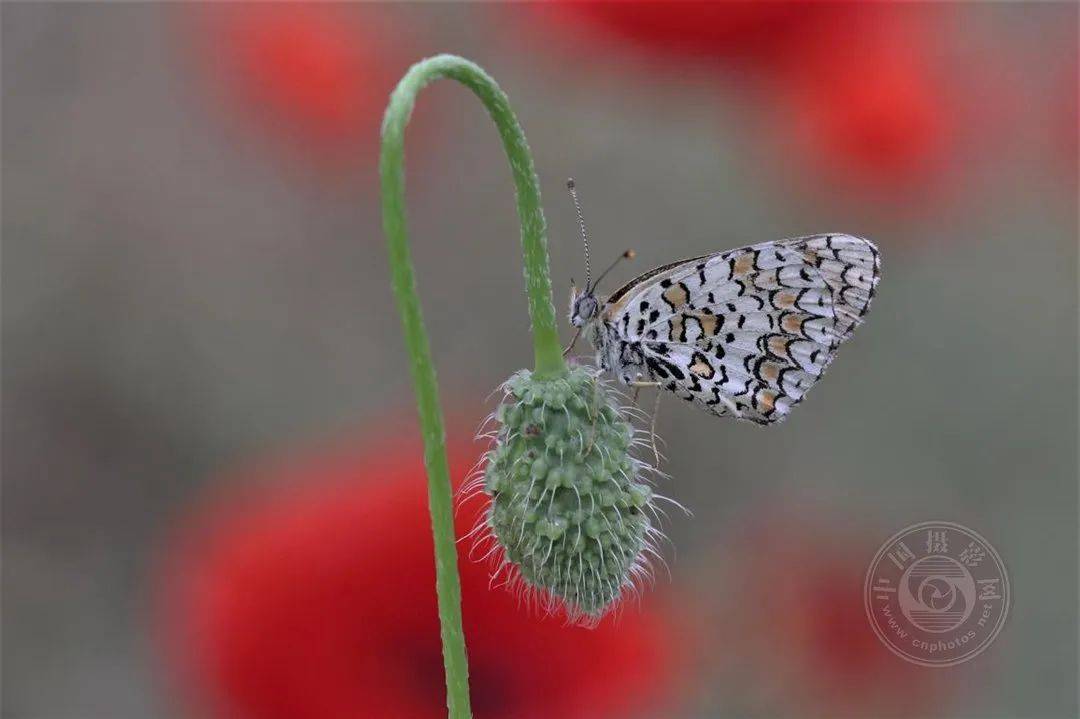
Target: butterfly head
{"points": [[584, 307]]}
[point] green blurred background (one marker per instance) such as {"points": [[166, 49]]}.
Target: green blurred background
{"points": [[194, 275]]}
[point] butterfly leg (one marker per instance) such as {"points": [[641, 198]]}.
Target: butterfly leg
{"points": [[595, 413], [573, 341], [652, 428], [637, 385]]}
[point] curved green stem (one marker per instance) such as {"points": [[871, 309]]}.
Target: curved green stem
{"points": [[549, 359]]}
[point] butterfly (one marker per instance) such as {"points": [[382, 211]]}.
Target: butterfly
{"points": [[743, 333]]}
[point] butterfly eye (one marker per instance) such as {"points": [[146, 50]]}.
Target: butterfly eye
{"points": [[582, 307], [586, 307]]}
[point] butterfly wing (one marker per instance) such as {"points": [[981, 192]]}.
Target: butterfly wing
{"points": [[749, 331]]}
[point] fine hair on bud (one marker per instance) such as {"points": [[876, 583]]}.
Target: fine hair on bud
{"points": [[572, 518]]}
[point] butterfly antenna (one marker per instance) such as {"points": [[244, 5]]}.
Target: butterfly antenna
{"points": [[628, 255], [581, 223]]}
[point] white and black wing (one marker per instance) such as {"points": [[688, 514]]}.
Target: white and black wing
{"points": [[749, 331]]}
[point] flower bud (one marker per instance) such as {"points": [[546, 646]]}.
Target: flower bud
{"points": [[568, 499]]}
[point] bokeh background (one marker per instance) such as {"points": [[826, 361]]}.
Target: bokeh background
{"points": [[212, 500]]}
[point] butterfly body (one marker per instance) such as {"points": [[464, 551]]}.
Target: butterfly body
{"points": [[741, 333]]}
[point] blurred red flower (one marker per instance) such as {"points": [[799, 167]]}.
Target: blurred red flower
{"points": [[309, 593], [1067, 115], [314, 75], [759, 30], [858, 92], [867, 101], [790, 612]]}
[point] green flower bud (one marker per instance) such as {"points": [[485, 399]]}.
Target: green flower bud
{"points": [[569, 502]]}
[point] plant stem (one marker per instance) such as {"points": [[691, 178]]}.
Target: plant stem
{"points": [[549, 361]]}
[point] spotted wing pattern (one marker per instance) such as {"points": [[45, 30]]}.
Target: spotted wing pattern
{"points": [[746, 332]]}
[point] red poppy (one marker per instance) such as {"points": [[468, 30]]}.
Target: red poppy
{"points": [[314, 76], [868, 103], [758, 30], [855, 91], [1067, 115], [309, 593], [789, 611]]}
